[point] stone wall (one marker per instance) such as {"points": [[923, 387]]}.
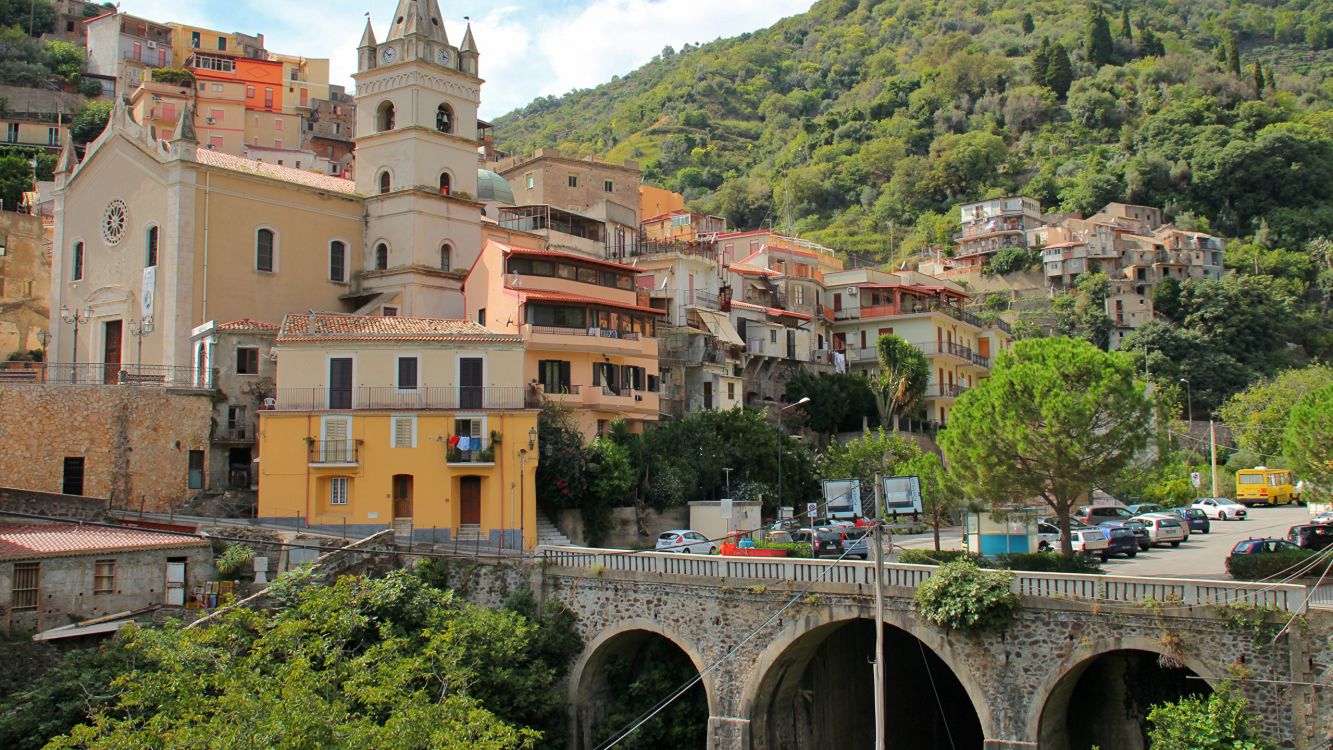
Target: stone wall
{"points": [[135, 441], [51, 504], [25, 283], [624, 531]]}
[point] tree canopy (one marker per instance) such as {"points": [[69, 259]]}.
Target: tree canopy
{"points": [[903, 375], [1308, 440]]}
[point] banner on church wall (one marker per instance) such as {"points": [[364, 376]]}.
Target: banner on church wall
{"points": [[146, 296]]}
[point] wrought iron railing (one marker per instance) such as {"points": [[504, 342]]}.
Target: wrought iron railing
{"points": [[105, 373], [414, 399], [339, 452]]}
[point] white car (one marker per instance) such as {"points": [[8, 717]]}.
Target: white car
{"points": [[685, 541], [1220, 508], [1183, 526], [1162, 530], [1090, 541], [1048, 537]]}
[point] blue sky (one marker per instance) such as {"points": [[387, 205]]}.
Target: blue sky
{"points": [[528, 48]]}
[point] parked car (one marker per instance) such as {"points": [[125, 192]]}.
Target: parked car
{"points": [[1313, 536], [1163, 530], [1095, 514], [1185, 527], [823, 541], [855, 540], [1122, 542], [1139, 509], [1325, 517], [1136, 528], [1262, 546], [1220, 508], [685, 541], [1090, 542], [1048, 537], [1195, 519]]}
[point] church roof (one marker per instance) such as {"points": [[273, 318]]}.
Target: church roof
{"points": [[342, 327], [220, 160], [418, 17], [493, 187]]}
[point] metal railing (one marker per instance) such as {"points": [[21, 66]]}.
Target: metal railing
{"points": [[415, 399], [1103, 589], [945, 391], [105, 373], [480, 451], [606, 333], [335, 452], [242, 432]]}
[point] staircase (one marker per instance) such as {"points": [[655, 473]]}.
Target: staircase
{"points": [[548, 534], [470, 533]]}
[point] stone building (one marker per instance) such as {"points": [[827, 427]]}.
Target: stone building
{"points": [[25, 283], [245, 377], [588, 189]]}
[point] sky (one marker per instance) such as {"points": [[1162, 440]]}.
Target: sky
{"points": [[528, 48]]}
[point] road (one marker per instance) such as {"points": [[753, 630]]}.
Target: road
{"points": [[1203, 556]]}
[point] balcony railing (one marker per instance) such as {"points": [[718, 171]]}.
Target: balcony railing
{"points": [[335, 452], [416, 399], [605, 333], [240, 432], [945, 348], [105, 373], [479, 451], [945, 391]]}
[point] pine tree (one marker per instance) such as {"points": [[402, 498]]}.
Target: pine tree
{"points": [[1059, 71], [1149, 44], [1270, 78], [1126, 30], [1028, 24], [1233, 54], [1041, 61], [1097, 46], [1257, 76]]}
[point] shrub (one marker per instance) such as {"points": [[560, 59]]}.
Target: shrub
{"points": [[1218, 721], [1049, 562], [237, 561], [794, 549], [1257, 567], [961, 596], [931, 557]]}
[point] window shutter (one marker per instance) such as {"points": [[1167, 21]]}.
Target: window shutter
{"points": [[402, 432], [564, 374], [596, 374], [335, 429]]}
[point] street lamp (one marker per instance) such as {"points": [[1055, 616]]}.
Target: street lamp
{"points": [[1189, 400], [804, 400], [76, 318], [139, 329], [523, 455], [44, 338]]}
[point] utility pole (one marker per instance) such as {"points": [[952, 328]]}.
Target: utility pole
{"points": [[879, 614], [1212, 453]]}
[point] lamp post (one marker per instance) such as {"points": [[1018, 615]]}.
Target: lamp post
{"points": [[1189, 400], [804, 400], [139, 329], [43, 338], [76, 318], [523, 454]]}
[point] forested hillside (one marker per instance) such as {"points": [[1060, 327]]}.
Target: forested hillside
{"points": [[864, 115]]}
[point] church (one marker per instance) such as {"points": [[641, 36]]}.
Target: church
{"points": [[156, 238]]}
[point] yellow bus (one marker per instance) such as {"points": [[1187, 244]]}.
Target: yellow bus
{"points": [[1264, 486]]}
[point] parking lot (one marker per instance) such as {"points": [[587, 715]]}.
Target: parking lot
{"points": [[1202, 556]]}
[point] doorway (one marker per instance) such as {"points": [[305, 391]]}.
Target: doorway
{"points": [[175, 582], [340, 383], [469, 380], [402, 495], [111, 341], [469, 491], [238, 468]]}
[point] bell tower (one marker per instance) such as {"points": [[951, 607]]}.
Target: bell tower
{"points": [[416, 160]]}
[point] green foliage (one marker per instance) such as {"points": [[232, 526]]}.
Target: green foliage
{"points": [[179, 76], [1048, 562], [20, 14], [1263, 566], [1098, 49], [838, 402], [903, 376], [639, 684], [611, 478], [89, 121], [961, 596], [562, 480], [1218, 721], [65, 60], [941, 497], [1259, 414], [64, 696], [1011, 260], [794, 549], [236, 562], [1056, 418], [1262, 623], [1083, 313], [1308, 440], [934, 557], [863, 457]]}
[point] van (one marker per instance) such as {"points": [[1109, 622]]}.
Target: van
{"points": [[1264, 486]]}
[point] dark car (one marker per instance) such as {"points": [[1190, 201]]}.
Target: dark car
{"points": [[1262, 547], [1313, 536], [1097, 514], [823, 541], [1123, 542], [1195, 518], [1137, 528]]}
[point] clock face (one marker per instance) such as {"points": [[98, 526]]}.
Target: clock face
{"points": [[442, 56], [389, 54]]}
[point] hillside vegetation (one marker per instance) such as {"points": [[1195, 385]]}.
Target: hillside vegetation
{"points": [[859, 124]]}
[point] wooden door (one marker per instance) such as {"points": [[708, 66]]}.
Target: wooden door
{"points": [[340, 383], [470, 383], [402, 495], [175, 582], [111, 351], [470, 497]]}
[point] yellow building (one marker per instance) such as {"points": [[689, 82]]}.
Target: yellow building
{"points": [[422, 424], [591, 341]]}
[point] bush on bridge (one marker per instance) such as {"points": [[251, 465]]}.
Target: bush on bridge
{"points": [[1258, 567], [934, 557], [1048, 562], [961, 596]]}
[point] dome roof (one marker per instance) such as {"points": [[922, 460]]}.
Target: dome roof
{"points": [[492, 187]]}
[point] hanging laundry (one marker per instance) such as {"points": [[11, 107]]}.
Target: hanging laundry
{"points": [[465, 443], [840, 363], [453, 441]]}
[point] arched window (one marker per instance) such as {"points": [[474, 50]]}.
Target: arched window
{"points": [[381, 257], [76, 263], [445, 183], [446, 255], [384, 117], [264, 250], [150, 254], [385, 182], [444, 118], [337, 261]]}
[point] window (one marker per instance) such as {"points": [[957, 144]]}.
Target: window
{"points": [[23, 593], [150, 256], [76, 263], [264, 255], [337, 261], [236, 420], [277, 123], [384, 117], [773, 336], [247, 360], [222, 44], [53, 136], [532, 180], [295, 72], [216, 142], [407, 373], [337, 490], [381, 257], [268, 98], [608, 186], [404, 431], [557, 316], [12, 132], [554, 375], [385, 182], [446, 256], [249, 92], [217, 89], [481, 316], [194, 39], [573, 180], [72, 479], [277, 143], [444, 118], [445, 183], [731, 391], [104, 577], [800, 294], [389, 312]]}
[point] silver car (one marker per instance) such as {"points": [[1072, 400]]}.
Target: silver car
{"points": [[1163, 530], [685, 541]]}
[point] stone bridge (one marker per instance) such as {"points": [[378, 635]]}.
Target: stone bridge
{"points": [[783, 648]]}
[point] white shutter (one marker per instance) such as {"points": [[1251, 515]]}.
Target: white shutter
{"points": [[404, 432], [337, 446]]}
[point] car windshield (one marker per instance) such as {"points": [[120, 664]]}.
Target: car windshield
{"points": [[668, 536], [1169, 523]]}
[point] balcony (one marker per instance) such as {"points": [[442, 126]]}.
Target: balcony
{"points": [[105, 373], [393, 399], [480, 451], [937, 392], [954, 350], [569, 395], [619, 399], [239, 432], [600, 340], [334, 453]]}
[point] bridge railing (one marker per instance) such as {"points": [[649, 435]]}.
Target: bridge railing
{"points": [[1166, 592]]}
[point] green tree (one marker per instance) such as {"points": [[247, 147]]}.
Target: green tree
{"points": [[838, 402], [1059, 71], [611, 479], [1126, 28], [1098, 49], [1257, 79], [941, 497], [64, 696], [1041, 62], [1233, 54], [904, 373], [863, 457], [1056, 418], [1084, 314], [1259, 414], [15, 179], [1026, 23], [1150, 44], [562, 477], [1308, 440], [34, 17], [63, 59], [1218, 721], [89, 121]]}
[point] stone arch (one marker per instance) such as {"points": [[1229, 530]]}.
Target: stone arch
{"points": [[1057, 689], [588, 668], [385, 116], [806, 633]]}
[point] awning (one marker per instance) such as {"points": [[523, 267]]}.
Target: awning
{"points": [[75, 630], [720, 326]]}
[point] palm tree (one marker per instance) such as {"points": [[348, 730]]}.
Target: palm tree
{"points": [[903, 374]]}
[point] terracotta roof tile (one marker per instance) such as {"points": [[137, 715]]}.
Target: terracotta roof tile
{"points": [[213, 158], [27, 541], [248, 324], [338, 327]]}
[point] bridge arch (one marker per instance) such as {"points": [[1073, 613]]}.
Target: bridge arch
{"points": [[1048, 720], [774, 680], [587, 678]]}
